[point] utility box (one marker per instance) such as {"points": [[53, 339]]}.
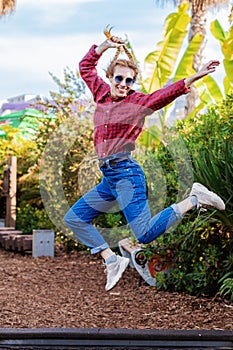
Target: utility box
{"points": [[43, 243]]}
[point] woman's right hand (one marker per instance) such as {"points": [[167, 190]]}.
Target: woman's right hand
{"points": [[114, 42]]}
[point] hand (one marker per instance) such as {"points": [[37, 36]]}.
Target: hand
{"points": [[117, 40], [114, 42], [112, 39], [209, 67]]}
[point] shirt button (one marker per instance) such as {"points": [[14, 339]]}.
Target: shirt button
{"points": [[105, 126], [104, 140]]}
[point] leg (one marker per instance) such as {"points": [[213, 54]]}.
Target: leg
{"points": [[137, 211], [79, 218], [81, 214]]}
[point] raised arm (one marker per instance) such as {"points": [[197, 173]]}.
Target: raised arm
{"points": [[87, 69], [87, 66]]}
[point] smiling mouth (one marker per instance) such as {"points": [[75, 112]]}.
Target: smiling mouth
{"points": [[122, 90]]}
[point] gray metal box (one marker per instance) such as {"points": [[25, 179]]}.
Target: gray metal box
{"points": [[43, 243]]}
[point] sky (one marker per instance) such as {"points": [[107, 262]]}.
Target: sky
{"points": [[46, 36]]}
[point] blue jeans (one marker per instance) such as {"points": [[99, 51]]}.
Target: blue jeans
{"points": [[125, 185]]}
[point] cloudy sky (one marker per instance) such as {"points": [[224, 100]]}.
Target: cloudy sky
{"points": [[49, 35]]}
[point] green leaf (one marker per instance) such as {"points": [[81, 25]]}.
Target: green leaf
{"points": [[227, 46], [227, 85], [185, 66], [213, 88], [226, 41], [204, 94], [217, 31], [150, 137], [171, 19], [195, 111], [161, 62]]}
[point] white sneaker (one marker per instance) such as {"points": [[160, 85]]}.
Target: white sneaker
{"points": [[143, 270], [206, 198], [115, 271]]}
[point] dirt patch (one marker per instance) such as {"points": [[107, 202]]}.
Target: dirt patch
{"points": [[68, 291]]}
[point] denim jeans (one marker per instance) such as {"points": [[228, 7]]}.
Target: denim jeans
{"points": [[124, 184]]}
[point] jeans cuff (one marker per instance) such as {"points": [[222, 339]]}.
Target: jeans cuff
{"points": [[99, 249], [177, 211]]}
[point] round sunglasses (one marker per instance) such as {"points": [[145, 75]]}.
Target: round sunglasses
{"points": [[128, 81]]}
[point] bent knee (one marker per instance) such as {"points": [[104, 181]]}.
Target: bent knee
{"points": [[70, 217], [66, 219]]}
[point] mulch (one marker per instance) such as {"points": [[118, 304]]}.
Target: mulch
{"points": [[68, 291]]}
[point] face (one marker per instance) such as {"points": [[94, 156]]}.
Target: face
{"points": [[122, 81]]}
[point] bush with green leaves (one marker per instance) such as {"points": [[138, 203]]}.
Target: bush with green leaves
{"points": [[226, 289], [32, 218], [27, 154], [202, 252], [203, 242], [208, 138], [70, 107]]}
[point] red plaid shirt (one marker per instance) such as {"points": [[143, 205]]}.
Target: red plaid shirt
{"points": [[117, 124]]}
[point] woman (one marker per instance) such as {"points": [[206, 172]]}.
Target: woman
{"points": [[118, 120]]}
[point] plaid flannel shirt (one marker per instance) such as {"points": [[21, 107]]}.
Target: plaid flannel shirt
{"points": [[117, 124]]}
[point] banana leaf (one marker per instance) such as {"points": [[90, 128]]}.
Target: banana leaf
{"points": [[226, 41], [196, 110], [185, 68], [217, 31], [213, 88], [161, 62]]}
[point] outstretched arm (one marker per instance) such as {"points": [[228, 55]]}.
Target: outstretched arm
{"points": [[166, 95], [209, 67]]}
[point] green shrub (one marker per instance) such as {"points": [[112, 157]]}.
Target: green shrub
{"points": [[202, 252], [226, 289], [32, 218], [68, 243], [203, 242]]}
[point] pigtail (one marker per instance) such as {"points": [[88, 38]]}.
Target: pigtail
{"points": [[128, 54], [117, 54]]}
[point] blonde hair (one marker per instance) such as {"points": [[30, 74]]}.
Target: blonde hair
{"points": [[123, 63]]}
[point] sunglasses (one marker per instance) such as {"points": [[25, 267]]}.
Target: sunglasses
{"points": [[128, 81]]}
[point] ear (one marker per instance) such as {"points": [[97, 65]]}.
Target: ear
{"points": [[111, 79]]}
